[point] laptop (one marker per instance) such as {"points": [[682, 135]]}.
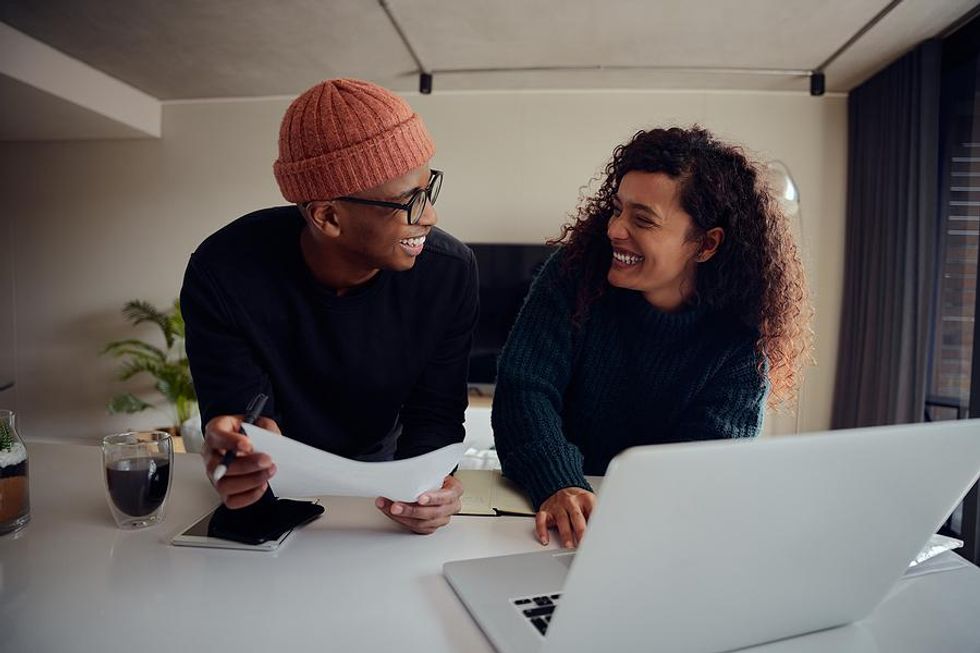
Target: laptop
{"points": [[714, 546]]}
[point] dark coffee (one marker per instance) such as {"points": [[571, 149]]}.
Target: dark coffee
{"points": [[138, 485]]}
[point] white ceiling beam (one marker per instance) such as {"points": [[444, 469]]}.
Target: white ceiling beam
{"points": [[40, 66]]}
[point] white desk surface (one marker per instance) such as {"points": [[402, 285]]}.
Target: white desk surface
{"points": [[351, 581]]}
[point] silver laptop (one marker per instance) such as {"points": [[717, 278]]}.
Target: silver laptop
{"points": [[715, 546]]}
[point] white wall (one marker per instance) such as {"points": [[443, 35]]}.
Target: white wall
{"points": [[97, 223]]}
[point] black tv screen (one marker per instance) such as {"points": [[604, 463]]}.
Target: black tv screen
{"points": [[506, 272]]}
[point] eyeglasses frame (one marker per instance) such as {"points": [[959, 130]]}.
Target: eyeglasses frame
{"points": [[434, 176]]}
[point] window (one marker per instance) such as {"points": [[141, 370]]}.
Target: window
{"points": [[959, 216], [954, 383]]}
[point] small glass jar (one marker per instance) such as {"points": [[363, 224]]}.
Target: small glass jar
{"points": [[15, 503]]}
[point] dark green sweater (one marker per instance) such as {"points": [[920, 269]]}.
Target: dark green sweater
{"points": [[568, 401]]}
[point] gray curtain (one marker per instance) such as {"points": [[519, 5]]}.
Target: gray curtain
{"points": [[891, 247]]}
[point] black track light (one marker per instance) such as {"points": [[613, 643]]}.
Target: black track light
{"points": [[817, 82]]}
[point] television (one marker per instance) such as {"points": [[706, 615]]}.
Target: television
{"points": [[506, 272]]}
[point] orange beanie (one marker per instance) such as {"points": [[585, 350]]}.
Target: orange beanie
{"points": [[346, 135]]}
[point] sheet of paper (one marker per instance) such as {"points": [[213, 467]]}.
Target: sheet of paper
{"points": [[305, 471]]}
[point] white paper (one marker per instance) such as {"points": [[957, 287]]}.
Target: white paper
{"points": [[305, 471]]}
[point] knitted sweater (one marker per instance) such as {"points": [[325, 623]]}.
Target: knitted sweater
{"points": [[567, 401], [377, 373]]}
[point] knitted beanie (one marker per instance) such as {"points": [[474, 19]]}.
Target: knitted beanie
{"points": [[346, 135]]}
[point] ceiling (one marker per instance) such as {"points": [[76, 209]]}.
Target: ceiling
{"points": [[194, 49]]}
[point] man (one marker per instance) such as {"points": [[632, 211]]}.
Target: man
{"points": [[349, 309]]}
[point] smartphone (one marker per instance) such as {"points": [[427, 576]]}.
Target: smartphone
{"points": [[197, 535]]}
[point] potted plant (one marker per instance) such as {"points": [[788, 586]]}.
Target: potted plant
{"points": [[15, 504], [168, 366]]}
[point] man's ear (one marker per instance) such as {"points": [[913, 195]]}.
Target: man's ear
{"points": [[322, 216], [710, 242]]}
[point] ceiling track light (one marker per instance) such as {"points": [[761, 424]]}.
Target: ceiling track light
{"points": [[817, 83], [425, 78], [817, 77]]}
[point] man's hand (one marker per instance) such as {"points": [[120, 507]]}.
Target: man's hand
{"points": [[567, 510], [248, 475], [430, 512]]}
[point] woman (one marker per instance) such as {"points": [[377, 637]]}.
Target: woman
{"points": [[675, 305]]}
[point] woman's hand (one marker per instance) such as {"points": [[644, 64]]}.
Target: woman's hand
{"points": [[567, 510]]}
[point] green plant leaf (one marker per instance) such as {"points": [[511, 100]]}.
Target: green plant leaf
{"points": [[135, 366], [133, 347], [168, 366], [138, 311], [6, 437], [138, 364], [185, 409], [127, 403], [174, 382], [177, 321]]}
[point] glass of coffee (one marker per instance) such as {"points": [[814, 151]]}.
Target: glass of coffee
{"points": [[137, 469]]}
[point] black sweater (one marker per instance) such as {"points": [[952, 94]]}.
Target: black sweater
{"points": [[379, 372]]}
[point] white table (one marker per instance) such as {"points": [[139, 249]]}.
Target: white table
{"points": [[351, 581]]}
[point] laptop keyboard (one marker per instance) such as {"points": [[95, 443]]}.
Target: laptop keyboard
{"points": [[537, 609]]}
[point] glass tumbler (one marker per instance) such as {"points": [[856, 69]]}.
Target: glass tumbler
{"points": [[137, 469]]}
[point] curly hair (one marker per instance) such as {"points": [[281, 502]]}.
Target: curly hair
{"points": [[756, 276]]}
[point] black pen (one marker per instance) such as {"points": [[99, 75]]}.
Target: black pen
{"points": [[251, 414]]}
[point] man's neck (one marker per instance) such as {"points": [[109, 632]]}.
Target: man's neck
{"points": [[332, 267]]}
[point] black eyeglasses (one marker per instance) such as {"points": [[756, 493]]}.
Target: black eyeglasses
{"points": [[415, 205]]}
